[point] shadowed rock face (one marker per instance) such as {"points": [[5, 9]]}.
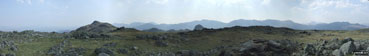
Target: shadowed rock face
{"points": [[97, 27]]}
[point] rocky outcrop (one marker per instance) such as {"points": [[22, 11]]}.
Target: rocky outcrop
{"points": [[199, 27], [98, 27], [95, 30], [268, 48]]}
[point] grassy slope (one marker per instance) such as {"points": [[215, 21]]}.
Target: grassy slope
{"points": [[199, 41]]}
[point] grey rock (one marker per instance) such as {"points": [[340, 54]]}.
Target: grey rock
{"points": [[10, 54], [97, 27], [225, 53], [103, 54], [74, 52], [13, 48], [347, 39], [134, 48], [337, 52], [104, 50], [268, 48], [2, 54], [347, 48], [309, 49], [188, 53], [122, 51]]}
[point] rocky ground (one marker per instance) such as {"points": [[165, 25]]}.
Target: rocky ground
{"points": [[103, 39]]}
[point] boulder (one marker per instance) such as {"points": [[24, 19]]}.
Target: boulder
{"points": [[122, 51], [268, 48], [103, 54], [347, 48], [134, 48], [13, 48], [98, 51], [309, 49], [346, 40], [337, 52], [225, 53], [188, 53], [10, 54]]}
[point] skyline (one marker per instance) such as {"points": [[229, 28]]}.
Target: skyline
{"points": [[61, 14]]}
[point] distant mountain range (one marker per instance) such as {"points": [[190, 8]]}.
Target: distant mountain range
{"points": [[242, 22]]}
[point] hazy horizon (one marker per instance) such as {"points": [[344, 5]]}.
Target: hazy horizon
{"points": [[69, 14]]}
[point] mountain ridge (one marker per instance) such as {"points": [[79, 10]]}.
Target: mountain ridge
{"points": [[244, 22]]}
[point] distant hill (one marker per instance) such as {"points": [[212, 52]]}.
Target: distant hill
{"points": [[242, 22]]}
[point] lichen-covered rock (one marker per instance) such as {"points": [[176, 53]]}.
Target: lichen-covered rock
{"points": [[337, 52], [347, 48]]}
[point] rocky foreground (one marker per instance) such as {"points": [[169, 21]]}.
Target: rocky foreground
{"points": [[103, 39]]}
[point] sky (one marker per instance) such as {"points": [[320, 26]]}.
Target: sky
{"points": [[60, 14]]}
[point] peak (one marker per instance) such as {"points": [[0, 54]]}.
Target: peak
{"points": [[97, 26], [96, 22]]}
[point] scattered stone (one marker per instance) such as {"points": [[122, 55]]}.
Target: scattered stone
{"points": [[161, 43], [188, 53], [103, 50], [134, 48], [122, 51], [74, 52]]}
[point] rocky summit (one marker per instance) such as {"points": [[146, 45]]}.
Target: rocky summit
{"points": [[104, 39], [97, 26]]}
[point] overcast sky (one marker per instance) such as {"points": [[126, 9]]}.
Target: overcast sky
{"points": [[71, 13]]}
